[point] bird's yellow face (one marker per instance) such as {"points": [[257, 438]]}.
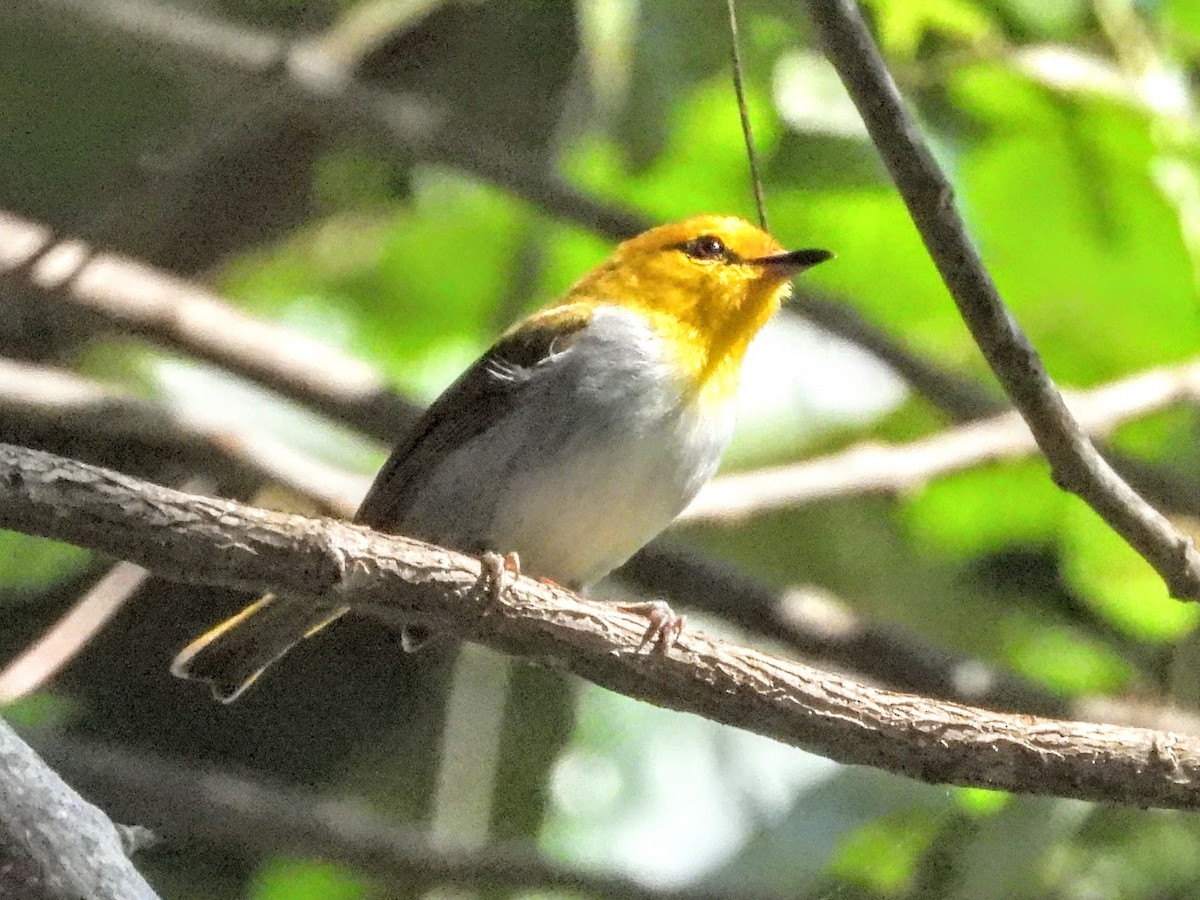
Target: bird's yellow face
{"points": [[707, 284]]}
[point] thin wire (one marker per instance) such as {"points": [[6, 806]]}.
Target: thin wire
{"points": [[740, 88]]}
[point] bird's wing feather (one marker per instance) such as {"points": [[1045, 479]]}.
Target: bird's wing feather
{"points": [[483, 395]]}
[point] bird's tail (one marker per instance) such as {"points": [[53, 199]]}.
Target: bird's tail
{"points": [[233, 654]]}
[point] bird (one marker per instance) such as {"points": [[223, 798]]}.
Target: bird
{"points": [[571, 443]]}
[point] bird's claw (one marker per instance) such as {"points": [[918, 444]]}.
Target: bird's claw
{"points": [[664, 625], [494, 572]]}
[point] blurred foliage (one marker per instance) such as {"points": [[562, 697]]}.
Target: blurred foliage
{"points": [[1069, 130]]}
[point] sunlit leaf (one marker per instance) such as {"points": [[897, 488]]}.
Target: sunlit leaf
{"points": [[1065, 660], [984, 510], [28, 563], [883, 854], [284, 879]]}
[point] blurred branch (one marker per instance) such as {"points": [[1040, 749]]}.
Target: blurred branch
{"points": [[60, 408], [137, 299], [71, 633], [877, 468], [218, 542], [323, 79], [1075, 464], [54, 845], [193, 804]]}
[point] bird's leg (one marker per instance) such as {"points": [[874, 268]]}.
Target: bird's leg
{"points": [[664, 628]]}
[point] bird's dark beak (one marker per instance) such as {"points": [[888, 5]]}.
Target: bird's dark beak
{"points": [[794, 261]]}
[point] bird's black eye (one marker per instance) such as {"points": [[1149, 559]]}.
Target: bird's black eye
{"points": [[707, 246]]}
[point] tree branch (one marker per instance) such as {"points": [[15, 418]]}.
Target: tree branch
{"points": [[877, 468], [317, 74], [141, 300], [204, 804], [219, 542], [1075, 464], [818, 626], [55, 409], [54, 845]]}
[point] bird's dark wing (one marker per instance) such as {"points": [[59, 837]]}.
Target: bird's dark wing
{"points": [[483, 395]]}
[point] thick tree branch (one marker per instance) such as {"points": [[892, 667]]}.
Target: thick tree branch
{"points": [[54, 845], [878, 468], [1075, 464], [59, 409], [219, 542], [190, 803], [818, 626]]}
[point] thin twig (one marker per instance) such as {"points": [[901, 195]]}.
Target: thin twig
{"points": [[1075, 464], [218, 542], [739, 88], [65, 638]]}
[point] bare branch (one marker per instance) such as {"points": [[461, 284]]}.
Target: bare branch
{"points": [[878, 468], [53, 406], [219, 542], [819, 626], [66, 637], [1074, 462], [63, 408], [138, 299], [54, 845], [204, 804]]}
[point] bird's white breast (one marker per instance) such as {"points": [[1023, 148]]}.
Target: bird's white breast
{"points": [[606, 447]]}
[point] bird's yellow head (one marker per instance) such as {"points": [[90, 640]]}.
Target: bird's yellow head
{"points": [[707, 284]]}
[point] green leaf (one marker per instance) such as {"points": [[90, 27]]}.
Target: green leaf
{"points": [[1062, 198], [884, 854], [1063, 659], [902, 24], [28, 563], [413, 290], [986, 509], [982, 802], [285, 879], [41, 709]]}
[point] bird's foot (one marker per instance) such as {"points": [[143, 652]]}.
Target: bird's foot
{"points": [[495, 571], [664, 624]]}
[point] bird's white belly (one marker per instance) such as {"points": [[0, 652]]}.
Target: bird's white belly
{"points": [[605, 451]]}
